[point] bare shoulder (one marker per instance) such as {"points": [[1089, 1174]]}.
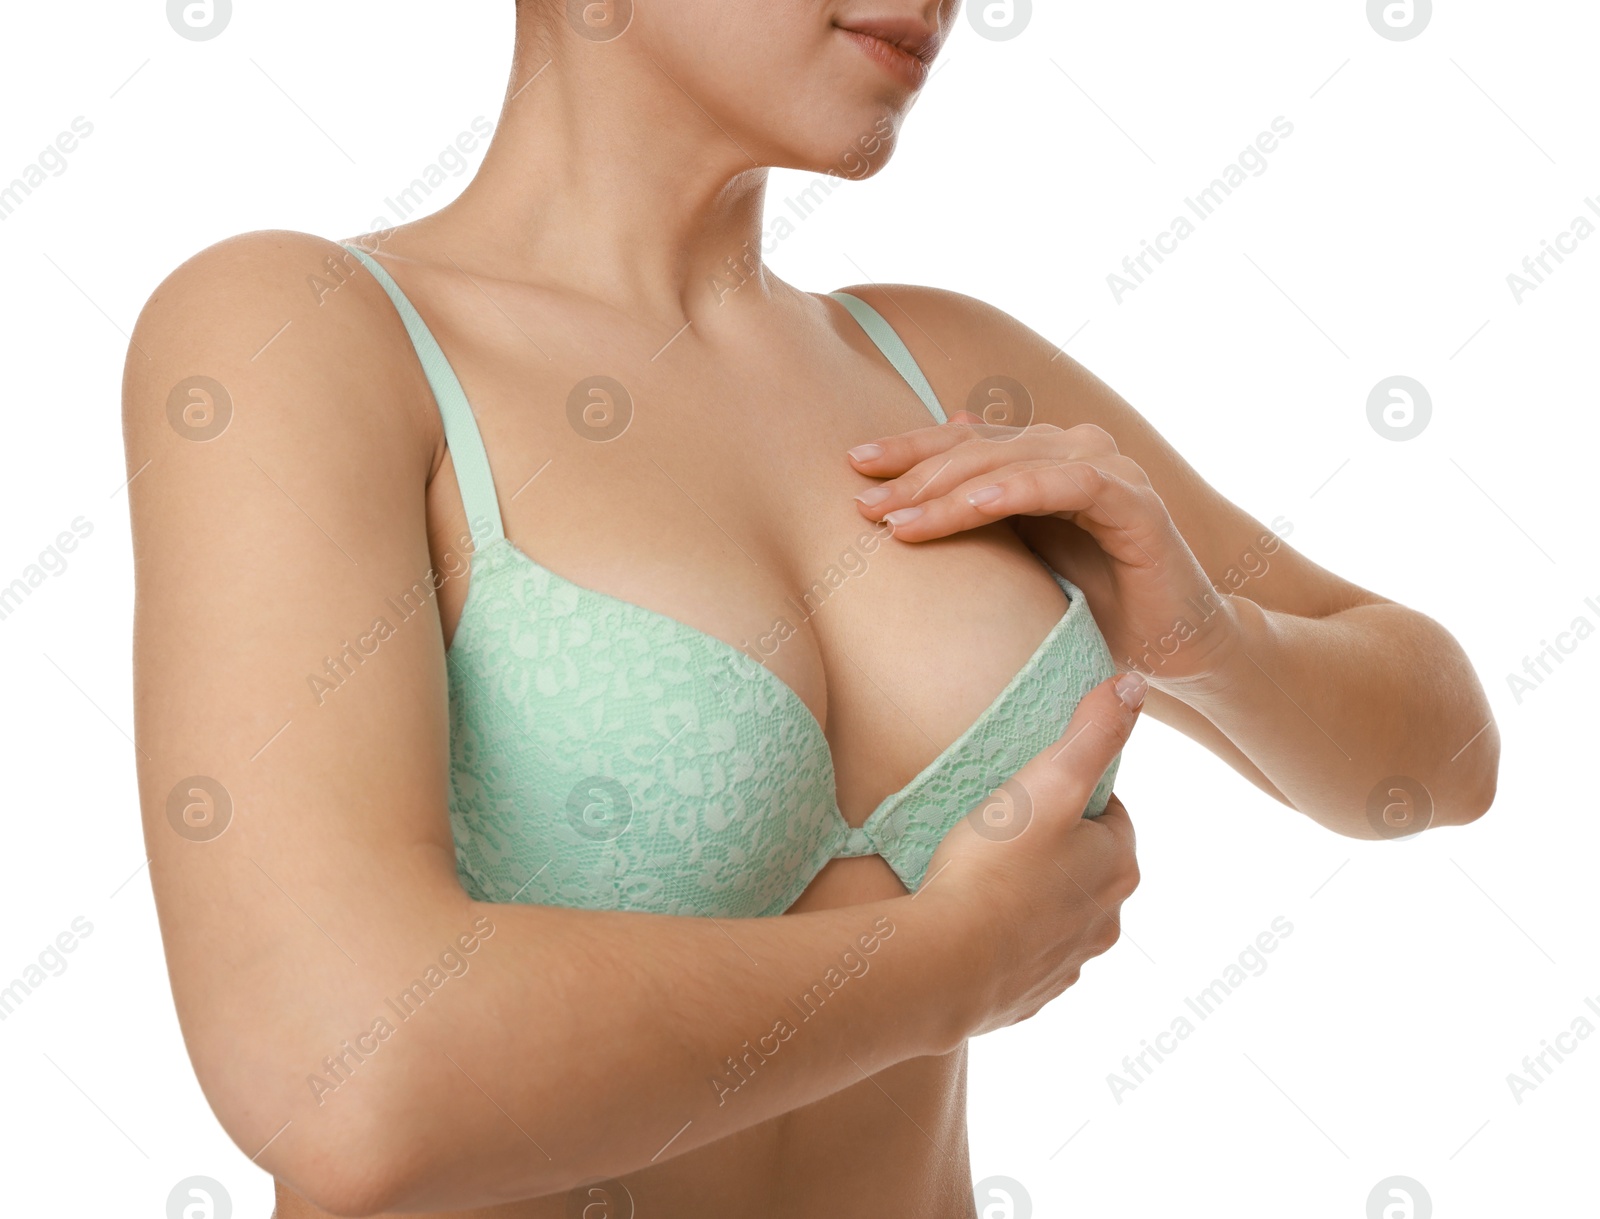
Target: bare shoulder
{"points": [[922, 302], [245, 320], [944, 324], [278, 453], [963, 344]]}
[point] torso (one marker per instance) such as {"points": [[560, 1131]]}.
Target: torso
{"points": [[728, 493]]}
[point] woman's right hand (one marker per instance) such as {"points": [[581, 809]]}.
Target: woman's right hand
{"points": [[1029, 888]]}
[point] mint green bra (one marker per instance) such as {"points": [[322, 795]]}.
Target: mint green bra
{"points": [[606, 756]]}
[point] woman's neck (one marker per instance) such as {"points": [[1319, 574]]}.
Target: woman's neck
{"points": [[605, 178]]}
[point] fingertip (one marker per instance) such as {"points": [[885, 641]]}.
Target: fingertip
{"points": [[1131, 688]]}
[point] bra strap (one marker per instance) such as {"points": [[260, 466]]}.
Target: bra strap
{"points": [[461, 434], [890, 343]]}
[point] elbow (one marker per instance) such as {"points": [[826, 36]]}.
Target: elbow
{"points": [[347, 1154], [1482, 797], [347, 1168], [1479, 758], [1467, 802], [1477, 796], [344, 1197], [355, 1188]]}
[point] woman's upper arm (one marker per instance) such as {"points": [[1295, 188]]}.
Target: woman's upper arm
{"points": [[290, 700]]}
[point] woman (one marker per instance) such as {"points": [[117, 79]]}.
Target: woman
{"points": [[510, 650]]}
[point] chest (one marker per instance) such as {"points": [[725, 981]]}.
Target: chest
{"points": [[715, 491]]}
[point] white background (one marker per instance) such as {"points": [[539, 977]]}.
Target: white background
{"points": [[1378, 241]]}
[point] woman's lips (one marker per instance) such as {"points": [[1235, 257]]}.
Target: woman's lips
{"points": [[903, 64]]}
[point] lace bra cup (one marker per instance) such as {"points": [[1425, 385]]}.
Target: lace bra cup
{"points": [[607, 756]]}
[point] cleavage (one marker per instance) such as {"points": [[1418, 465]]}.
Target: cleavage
{"points": [[745, 530]]}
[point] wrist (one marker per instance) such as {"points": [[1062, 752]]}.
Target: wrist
{"points": [[1221, 654], [954, 956]]}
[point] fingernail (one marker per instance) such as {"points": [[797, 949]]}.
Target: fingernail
{"points": [[875, 495], [866, 452], [984, 495], [901, 516], [1130, 688]]}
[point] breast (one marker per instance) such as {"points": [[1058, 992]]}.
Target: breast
{"points": [[573, 715], [607, 757]]}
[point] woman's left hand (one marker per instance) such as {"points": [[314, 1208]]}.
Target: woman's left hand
{"points": [[1151, 598]]}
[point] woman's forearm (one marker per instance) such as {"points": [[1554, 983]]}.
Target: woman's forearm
{"points": [[579, 1045], [1374, 708]]}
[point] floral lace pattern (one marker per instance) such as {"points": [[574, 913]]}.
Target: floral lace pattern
{"points": [[606, 756]]}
